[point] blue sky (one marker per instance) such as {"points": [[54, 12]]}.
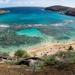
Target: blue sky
{"points": [[41, 3]]}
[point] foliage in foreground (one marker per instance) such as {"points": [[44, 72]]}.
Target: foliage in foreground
{"points": [[65, 58], [21, 53], [4, 54]]}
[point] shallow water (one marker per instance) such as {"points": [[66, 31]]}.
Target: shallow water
{"points": [[54, 26], [30, 32]]}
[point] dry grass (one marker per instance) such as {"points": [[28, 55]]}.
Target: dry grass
{"points": [[23, 70], [14, 70]]}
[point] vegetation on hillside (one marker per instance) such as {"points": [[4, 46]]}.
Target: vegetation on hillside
{"points": [[21, 53]]}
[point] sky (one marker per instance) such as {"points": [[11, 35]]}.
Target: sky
{"points": [[36, 3]]}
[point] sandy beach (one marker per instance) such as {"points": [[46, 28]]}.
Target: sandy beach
{"points": [[48, 48]]}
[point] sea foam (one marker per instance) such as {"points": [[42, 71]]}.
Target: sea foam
{"points": [[4, 26]]}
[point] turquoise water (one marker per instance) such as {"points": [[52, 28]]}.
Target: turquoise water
{"points": [[54, 25], [30, 32], [32, 16], [33, 32]]}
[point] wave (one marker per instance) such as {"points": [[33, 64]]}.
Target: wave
{"points": [[4, 26], [66, 22]]}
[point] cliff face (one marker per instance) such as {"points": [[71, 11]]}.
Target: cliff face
{"points": [[70, 11], [66, 10], [57, 8]]}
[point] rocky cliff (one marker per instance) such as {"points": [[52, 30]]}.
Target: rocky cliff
{"points": [[70, 11], [66, 10]]}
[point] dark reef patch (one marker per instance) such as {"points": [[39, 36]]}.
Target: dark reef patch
{"points": [[9, 37], [58, 32]]}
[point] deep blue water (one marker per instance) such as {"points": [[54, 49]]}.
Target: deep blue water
{"points": [[32, 15], [60, 26]]}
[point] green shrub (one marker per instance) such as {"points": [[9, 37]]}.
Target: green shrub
{"points": [[60, 53], [50, 60], [68, 56], [21, 53], [4, 54]]}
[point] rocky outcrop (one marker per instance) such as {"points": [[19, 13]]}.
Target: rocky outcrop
{"points": [[70, 11], [3, 11], [66, 10], [57, 8]]}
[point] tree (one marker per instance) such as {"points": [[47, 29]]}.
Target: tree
{"points": [[70, 48]]}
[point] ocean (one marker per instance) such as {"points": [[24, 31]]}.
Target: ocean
{"points": [[51, 26], [32, 15]]}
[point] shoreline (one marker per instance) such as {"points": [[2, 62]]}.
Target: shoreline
{"points": [[45, 48], [49, 48]]}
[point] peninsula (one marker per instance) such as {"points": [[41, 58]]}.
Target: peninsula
{"points": [[2, 11], [66, 10]]}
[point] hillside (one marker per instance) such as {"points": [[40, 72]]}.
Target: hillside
{"points": [[23, 70], [66, 10]]}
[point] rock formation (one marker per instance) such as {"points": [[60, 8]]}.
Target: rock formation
{"points": [[66, 10], [70, 11], [3, 11], [57, 8]]}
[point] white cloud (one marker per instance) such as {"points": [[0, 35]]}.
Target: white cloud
{"points": [[4, 1], [43, 3]]}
